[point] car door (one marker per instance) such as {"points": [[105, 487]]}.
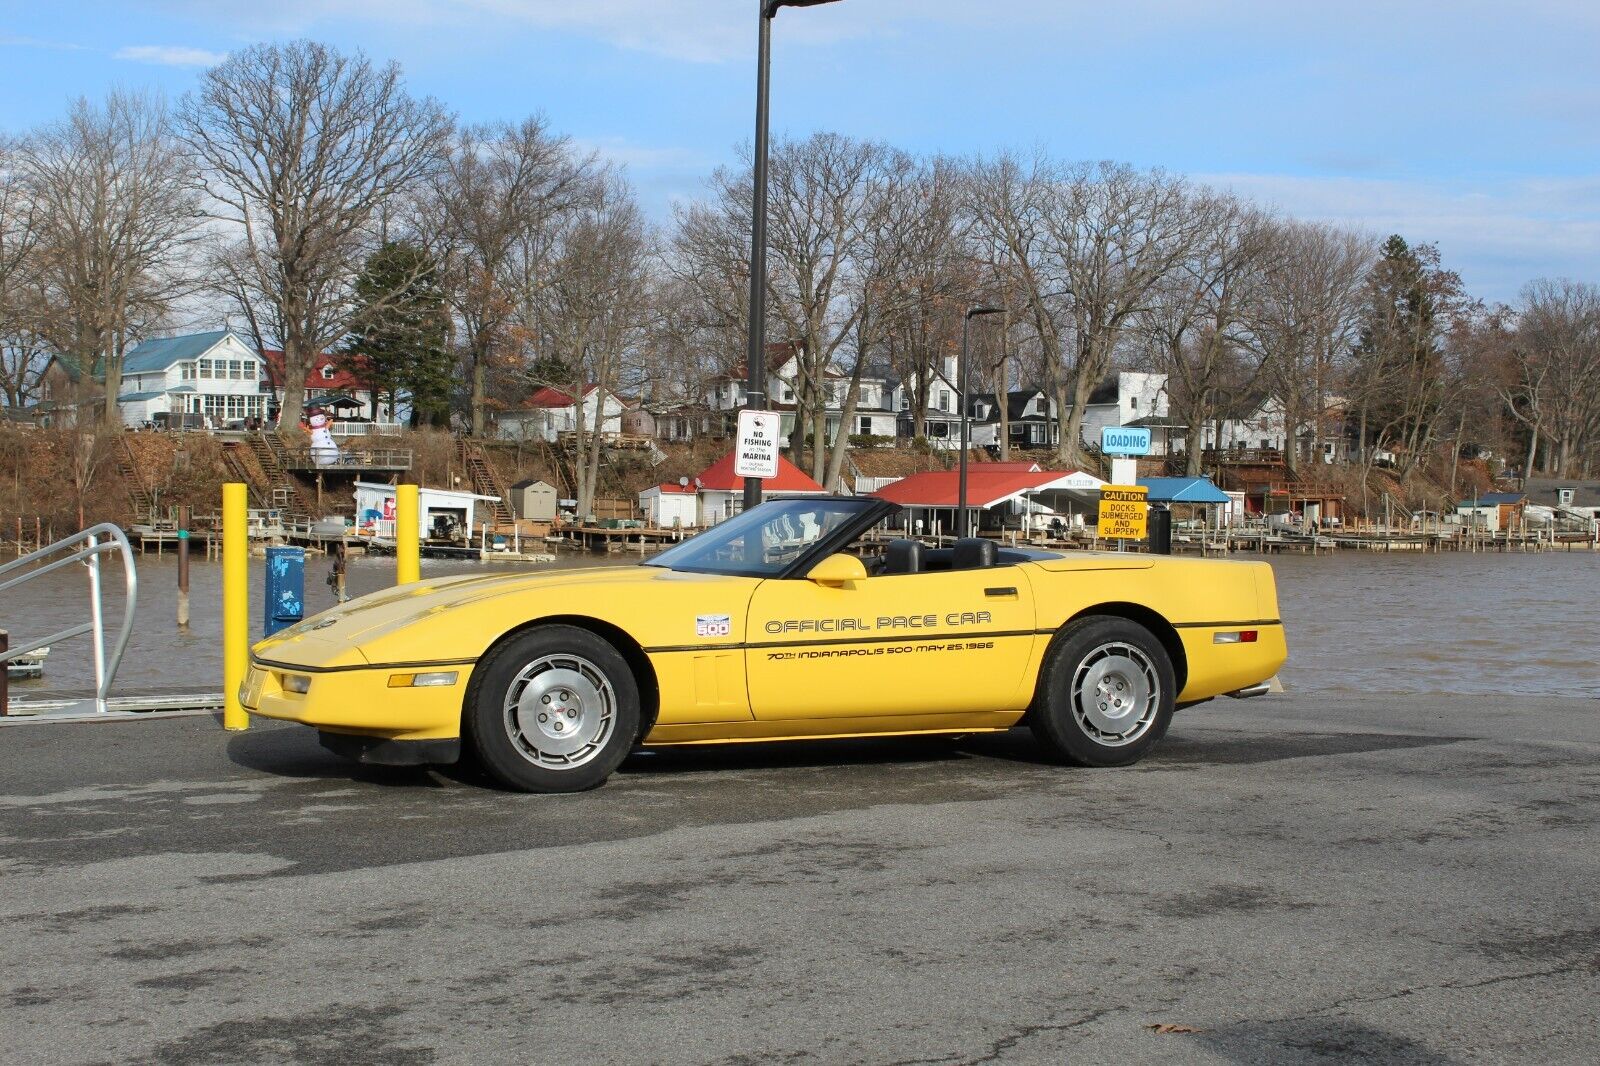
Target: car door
{"points": [[905, 644]]}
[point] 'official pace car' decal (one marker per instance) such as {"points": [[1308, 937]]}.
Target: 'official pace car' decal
{"points": [[713, 625]]}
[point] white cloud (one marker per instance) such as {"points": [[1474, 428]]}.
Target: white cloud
{"points": [[1497, 233], [169, 55]]}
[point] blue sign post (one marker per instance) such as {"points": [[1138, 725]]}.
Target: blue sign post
{"points": [[1124, 440], [285, 601]]}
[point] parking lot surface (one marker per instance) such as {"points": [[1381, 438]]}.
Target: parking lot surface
{"points": [[1286, 879]]}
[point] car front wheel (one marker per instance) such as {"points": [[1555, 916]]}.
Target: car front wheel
{"points": [[1105, 693], [553, 709]]}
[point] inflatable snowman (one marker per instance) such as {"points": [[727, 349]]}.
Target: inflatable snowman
{"points": [[324, 452]]}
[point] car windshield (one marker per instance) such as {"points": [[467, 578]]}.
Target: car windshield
{"points": [[765, 540]]}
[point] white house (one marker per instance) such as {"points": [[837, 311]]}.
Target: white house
{"points": [[214, 374], [551, 412], [670, 505], [941, 422], [1122, 399], [873, 416]]}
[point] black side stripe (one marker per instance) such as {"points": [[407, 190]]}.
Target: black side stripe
{"points": [[1229, 624], [908, 639]]}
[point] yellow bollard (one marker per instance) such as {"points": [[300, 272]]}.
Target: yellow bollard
{"points": [[235, 603], [407, 535]]}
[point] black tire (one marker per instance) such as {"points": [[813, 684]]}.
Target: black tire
{"points": [[1134, 689], [552, 709]]}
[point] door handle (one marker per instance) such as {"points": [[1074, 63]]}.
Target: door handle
{"points": [[1008, 590]]}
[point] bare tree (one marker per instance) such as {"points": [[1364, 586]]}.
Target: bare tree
{"points": [[594, 309], [1118, 233], [23, 354], [1195, 323], [109, 190], [1302, 314], [302, 149], [1555, 389], [498, 204]]}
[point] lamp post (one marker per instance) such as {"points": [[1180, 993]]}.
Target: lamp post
{"points": [[755, 352], [965, 374]]}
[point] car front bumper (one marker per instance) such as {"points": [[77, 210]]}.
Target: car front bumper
{"points": [[361, 701]]}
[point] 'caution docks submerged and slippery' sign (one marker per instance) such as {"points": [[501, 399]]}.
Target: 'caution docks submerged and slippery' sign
{"points": [[1123, 512]]}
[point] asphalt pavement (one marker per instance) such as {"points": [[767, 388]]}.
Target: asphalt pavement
{"points": [[1286, 879]]}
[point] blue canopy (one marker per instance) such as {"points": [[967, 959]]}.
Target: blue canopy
{"points": [[1183, 490]]}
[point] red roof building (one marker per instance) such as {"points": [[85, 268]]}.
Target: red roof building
{"points": [[325, 375], [552, 397], [985, 488], [719, 477]]}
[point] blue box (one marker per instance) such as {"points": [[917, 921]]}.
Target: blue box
{"points": [[286, 589]]}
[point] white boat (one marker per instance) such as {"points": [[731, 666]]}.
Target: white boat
{"points": [[27, 666]]}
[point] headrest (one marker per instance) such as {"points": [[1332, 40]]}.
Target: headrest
{"points": [[902, 557], [972, 553]]}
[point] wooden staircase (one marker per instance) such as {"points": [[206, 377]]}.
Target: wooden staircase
{"points": [[485, 481], [281, 489], [144, 501]]}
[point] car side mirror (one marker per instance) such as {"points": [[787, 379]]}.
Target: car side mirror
{"points": [[838, 570]]}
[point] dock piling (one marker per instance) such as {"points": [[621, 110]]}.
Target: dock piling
{"points": [[235, 603], [407, 535], [183, 579]]}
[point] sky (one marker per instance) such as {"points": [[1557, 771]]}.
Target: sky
{"points": [[1472, 125]]}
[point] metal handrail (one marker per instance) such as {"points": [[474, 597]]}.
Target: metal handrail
{"points": [[93, 547]]}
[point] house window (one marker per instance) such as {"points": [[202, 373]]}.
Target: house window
{"points": [[905, 402], [327, 371], [186, 371], [1133, 402], [938, 429], [1265, 445], [866, 427], [944, 400], [205, 368], [788, 394]]}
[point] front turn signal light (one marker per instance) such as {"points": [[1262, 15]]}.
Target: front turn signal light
{"points": [[299, 684], [434, 679]]}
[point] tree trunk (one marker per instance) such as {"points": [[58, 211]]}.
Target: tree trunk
{"points": [[110, 414]]}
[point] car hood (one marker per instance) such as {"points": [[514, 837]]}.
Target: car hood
{"points": [[404, 605]]}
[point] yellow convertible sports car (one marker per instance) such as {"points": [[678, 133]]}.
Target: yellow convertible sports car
{"points": [[784, 622]]}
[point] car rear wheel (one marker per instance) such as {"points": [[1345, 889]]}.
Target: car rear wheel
{"points": [[553, 709], [1105, 693]]}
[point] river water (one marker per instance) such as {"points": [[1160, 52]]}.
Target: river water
{"points": [[1357, 621]]}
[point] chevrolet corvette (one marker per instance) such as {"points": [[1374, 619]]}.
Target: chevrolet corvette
{"points": [[797, 619]]}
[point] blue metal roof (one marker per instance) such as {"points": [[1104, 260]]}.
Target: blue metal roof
{"points": [[161, 352], [131, 396], [1183, 490]]}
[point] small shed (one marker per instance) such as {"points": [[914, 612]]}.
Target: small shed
{"points": [[1496, 511], [534, 500], [669, 505], [437, 509]]}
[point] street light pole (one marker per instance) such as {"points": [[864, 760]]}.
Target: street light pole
{"points": [[755, 364], [965, 374]]}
